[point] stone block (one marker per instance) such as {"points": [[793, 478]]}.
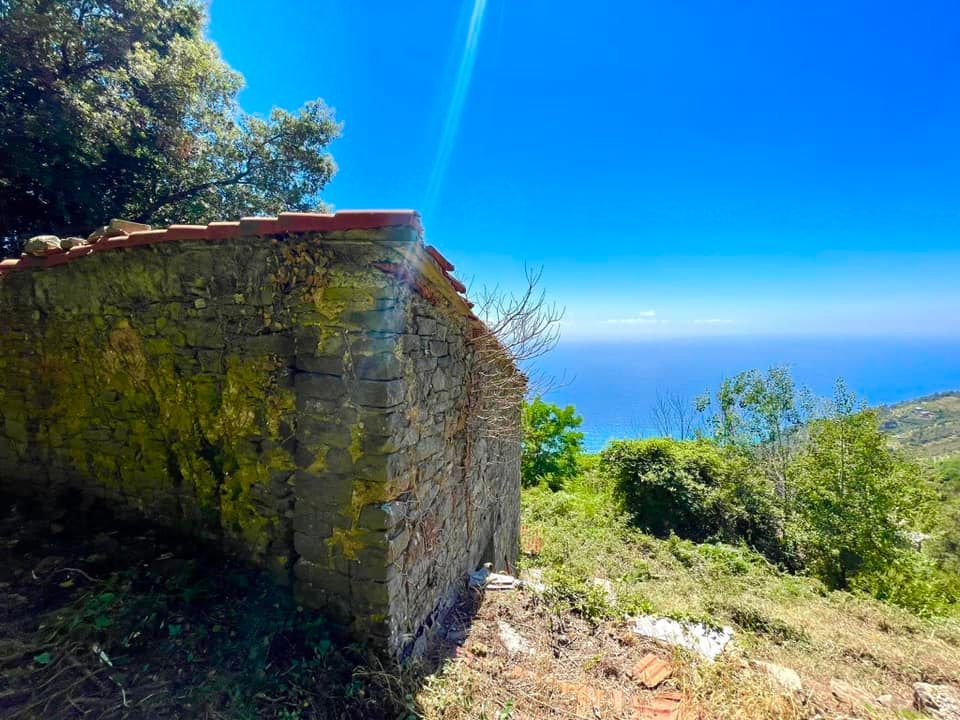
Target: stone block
{"points": [[380, 393], [322, 364], [382, 366], [318, 387], [426, 325]]}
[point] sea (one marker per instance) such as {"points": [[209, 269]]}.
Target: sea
{"points": [[614, 384]]}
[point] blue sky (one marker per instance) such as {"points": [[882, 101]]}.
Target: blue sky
{"points": [[678, 168]]}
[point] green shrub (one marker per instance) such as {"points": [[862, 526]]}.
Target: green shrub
{"points": [[551, 444], [914, 582], [695, 489]]}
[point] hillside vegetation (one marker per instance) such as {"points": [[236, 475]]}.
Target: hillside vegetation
{"points": [[928, 426], [792, 522]]}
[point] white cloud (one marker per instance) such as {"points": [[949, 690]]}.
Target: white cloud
{"points": [[645, 317]]}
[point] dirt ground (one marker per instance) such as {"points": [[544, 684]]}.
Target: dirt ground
{"points": [[103, 620]]}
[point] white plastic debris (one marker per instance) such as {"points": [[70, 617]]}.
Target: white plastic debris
{"points": [[104, 658], [499, 581], [699, 638], [488, 580]]}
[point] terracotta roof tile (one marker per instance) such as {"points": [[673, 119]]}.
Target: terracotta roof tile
{"points": [[185, 232], [665, 706], [29, 261], [370, 219], [223, 230], [259, 226], [441, 260], [293, 222], [288, 222], [650, 671]]}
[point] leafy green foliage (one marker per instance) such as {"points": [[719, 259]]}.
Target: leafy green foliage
{"points": [[121, 108], [551, 443], [910, 580], [762, 412], [948, 472], [853, 497], [693, 488], [945, 548]]}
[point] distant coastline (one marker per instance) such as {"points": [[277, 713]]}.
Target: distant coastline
{"points": [[614, 384]]}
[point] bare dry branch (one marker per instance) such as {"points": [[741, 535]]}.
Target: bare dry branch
{"points": [[674, 415]]}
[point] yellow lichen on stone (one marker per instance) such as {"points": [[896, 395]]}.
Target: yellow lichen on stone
{"points": [[356, 442], [349, 541]]}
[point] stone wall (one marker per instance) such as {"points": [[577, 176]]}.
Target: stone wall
{"points": [[303, 398]]}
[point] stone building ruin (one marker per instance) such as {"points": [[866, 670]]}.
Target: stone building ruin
{"points": [[303, 389]]}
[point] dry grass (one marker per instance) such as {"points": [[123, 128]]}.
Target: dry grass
{"points": [[576, 669], [579, 637]]}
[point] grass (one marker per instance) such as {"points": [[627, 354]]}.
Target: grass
{"points": [[576, 535]]}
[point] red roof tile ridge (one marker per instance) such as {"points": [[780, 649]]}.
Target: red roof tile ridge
{"points": [[285, 222]]}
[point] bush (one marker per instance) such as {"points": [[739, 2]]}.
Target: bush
{"points": [[695, 489], [913, 582], [551, 444]]}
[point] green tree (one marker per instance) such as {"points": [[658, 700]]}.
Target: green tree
{"points": [[121, 108], [855, 498], [551, 443], [764, 413]]}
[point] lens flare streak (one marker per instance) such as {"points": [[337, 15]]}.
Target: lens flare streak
{"points": [[457, 101]]}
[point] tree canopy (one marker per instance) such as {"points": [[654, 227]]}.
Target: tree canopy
{"points": [[122, 108], [551, 443], [855, 497]]}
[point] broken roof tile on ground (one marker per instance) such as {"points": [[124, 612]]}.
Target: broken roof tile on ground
{"points": [[650, 671]]}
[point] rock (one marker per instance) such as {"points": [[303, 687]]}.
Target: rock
{"points": [[885, 700], [116, 228], [609, 594], [127, 226], [939, 701], [785, 677], [533, 579], [513, 641], [42, 245], [72, 242], [850, 694]]}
